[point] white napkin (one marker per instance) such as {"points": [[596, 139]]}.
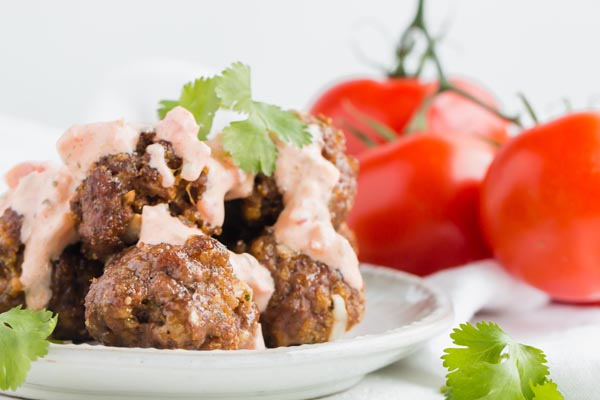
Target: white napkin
{"points": [[568, 334], [480, 291]]}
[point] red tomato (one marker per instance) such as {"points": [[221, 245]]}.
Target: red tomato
{"points": [[395, 101], [540, 207], [451, 113], [417, 202], [391, 102]]}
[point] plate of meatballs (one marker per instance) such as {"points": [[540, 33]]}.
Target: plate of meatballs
{"points": [[176, 274]]}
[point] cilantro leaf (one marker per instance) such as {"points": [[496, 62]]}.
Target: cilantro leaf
{"points": [[23, 339], [546, 391], [484, 381], [198, 97], [490, 365], [250, 145], [235, 92], [286, 125], [484, 343], [167, 105], [234, 88], [531, 364], [251, 141]]}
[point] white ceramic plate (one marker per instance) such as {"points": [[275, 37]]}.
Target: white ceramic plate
{"points": [[402, 314]]}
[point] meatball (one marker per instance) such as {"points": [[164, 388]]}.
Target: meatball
{"points": [[107, 204], [167, 296], [302, 308], [11, 257], [246, 218], [72, 274]]}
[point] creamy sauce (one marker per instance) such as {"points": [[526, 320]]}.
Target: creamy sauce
{"points": [[340, 318], [42, 198], [259, 340], [225, 181], [306, 180], [180, 129], [249, 270], [41, 193], [158, 226], [82, 145], [158, 162], [14, 175]]}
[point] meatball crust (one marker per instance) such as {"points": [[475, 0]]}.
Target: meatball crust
{"points": [[11, 258], [108, 203], [301, 309], [334, 150], [170, 297], [246, 218], [72, 275], [70, 281]]}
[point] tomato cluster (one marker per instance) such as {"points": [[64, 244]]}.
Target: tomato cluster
{"points": [[441, 183], [462, 191], [418, 196]]}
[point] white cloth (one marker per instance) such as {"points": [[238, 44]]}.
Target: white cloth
{"points": [[568, 334], [480, 291]]}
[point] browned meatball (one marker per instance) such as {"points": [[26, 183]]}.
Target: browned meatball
{"points": [[72, 275], [167, 296], [108, 203], [246, 218], [334, 150], [11, 258], [301, 309]]}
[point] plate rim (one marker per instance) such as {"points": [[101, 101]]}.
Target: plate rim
{"points": [[420, 330]]}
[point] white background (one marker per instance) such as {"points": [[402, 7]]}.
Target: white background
{"points": [[56, 55], [63, 62]]}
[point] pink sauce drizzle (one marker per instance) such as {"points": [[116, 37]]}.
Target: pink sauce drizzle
{"points": [[307, 180], [82, 145], [158, 162], [41, 193], [14, 175], [42, 198], [259, 340], [158, 226], [225, 181], [249, 270], [180, 129]]}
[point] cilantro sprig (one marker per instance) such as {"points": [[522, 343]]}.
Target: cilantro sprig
{"points": [[490, 365], [250, 141], [23, 339]]}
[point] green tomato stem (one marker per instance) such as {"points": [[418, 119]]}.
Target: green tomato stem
{"points": [[529, 108], [405, 49]]}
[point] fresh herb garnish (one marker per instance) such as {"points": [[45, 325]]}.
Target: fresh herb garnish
{"points": [[490, 365], [199, 98], [23, 339], [250, 141]]}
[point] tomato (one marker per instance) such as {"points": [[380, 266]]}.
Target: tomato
{"points": [[394, 102], [418, 200], [391, 102], [451, 113], [540, 207]]}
